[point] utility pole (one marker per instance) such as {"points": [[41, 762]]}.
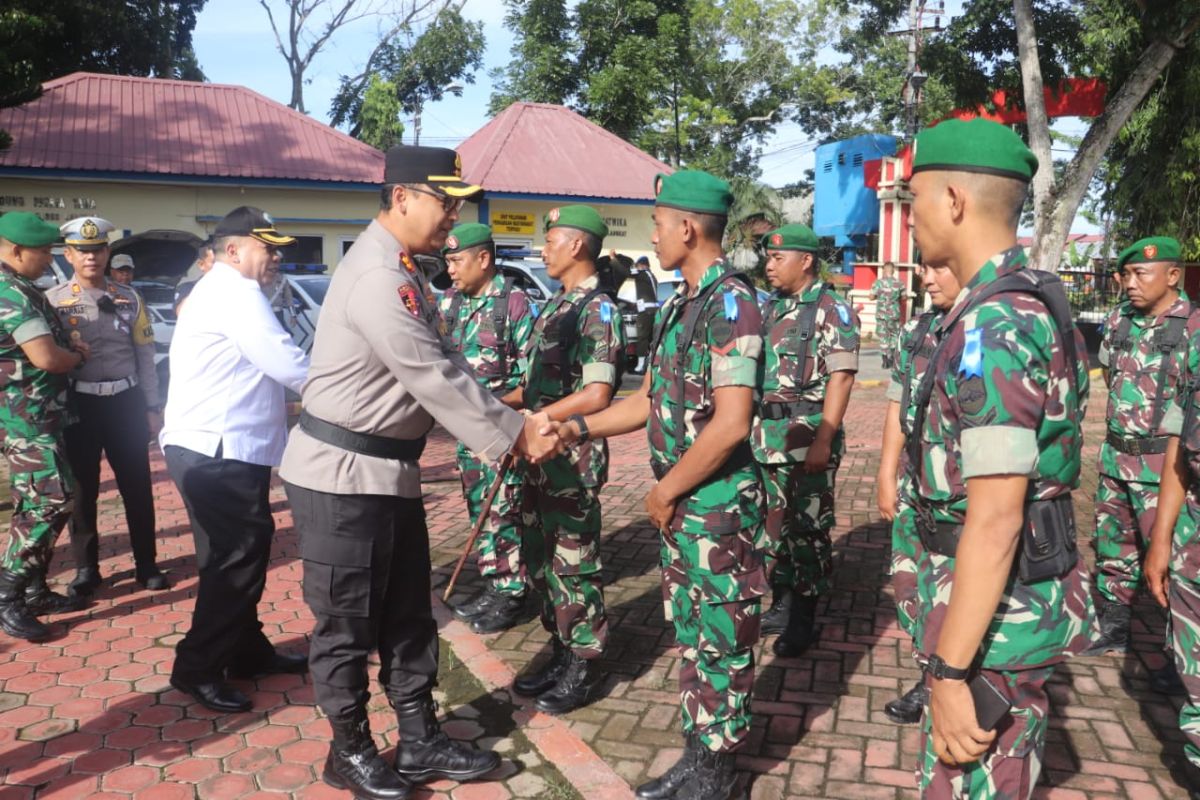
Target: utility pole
{"points": [[915, 78]]}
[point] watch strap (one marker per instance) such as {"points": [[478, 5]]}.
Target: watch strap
{"points": [[583, 428]]}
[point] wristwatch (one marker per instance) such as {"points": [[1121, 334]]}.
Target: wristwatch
{"points": [[940, 670], [583, 428]]}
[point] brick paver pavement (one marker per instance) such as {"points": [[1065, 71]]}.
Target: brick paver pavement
{"points": [[90, 713]]}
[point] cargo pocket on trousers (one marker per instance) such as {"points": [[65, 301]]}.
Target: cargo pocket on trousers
{"points": [[337, 575], [733, 581]]}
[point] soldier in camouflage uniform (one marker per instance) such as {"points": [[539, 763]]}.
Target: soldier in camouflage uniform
{"points": [[489, 322], [1004, 595], [35, 355], [1172, 565], [1144, 353], [810, 344], [574, 361], [698, 400], [887, 291], [894, 484]]}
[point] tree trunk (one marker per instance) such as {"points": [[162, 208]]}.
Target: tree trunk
{"points": [[1035, 108], [1053, 225]]}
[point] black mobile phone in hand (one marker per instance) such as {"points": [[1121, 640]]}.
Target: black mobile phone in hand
{"points": [[990, 706]]}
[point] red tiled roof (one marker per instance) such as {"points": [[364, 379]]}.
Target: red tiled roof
{"points": [[536, 148], [86, 121]]}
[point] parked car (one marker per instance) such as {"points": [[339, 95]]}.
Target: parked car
{"points": [[308, 295]]}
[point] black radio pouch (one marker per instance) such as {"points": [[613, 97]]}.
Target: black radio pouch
{"points": [[1047, 540]]}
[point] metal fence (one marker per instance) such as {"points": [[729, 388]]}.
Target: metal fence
{"points": [[1091, 292]]}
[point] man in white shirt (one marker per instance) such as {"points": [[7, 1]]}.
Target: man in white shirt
{"points": [[225, 427]]}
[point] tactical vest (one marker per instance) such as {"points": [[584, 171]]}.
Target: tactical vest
{"points": [[499, 321], [568, 336], [1168, 340], [915, 346]]}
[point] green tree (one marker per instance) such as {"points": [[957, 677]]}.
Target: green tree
{"points": [[543, 68], [379, 115], [418, 65]]}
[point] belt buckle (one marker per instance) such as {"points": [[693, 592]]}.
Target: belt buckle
{"points": [[1135, 447]]}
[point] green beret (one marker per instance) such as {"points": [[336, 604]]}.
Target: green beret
{"points": [[27, 229], [976, 145], [791, 237], [584, 218], [693, 190], [1149, 250], [467, 235]]}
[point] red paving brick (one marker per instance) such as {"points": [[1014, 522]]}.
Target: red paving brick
{"points": [[89, 714]]}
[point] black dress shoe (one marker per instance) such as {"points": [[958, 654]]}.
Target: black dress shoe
{"points": [[279, 663], [86, 582], [216, 696], [907, 709], [154, 581]]}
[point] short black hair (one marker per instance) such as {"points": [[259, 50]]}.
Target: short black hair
{"points": [[385, 196], [712, 226], [593, 243]]}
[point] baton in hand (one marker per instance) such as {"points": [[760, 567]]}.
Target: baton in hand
{"points": [[501, 471]]}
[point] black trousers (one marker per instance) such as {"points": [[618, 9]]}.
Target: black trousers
{"points": [[228, 507], [115, 426], [367, 581]]}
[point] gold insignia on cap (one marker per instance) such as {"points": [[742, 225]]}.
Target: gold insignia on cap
{"points": [[457, 165], [89, 230], [1150, 250]]}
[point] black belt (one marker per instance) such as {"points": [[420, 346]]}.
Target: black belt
{"points": [[1135, 446], [367, 444], [740, 458], [940, 538], [787, 410]]}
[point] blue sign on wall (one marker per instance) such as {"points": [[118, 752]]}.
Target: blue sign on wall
{"points": [[843, 207]]}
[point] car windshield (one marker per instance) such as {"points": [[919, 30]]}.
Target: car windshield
{"points": [[539, 271], [315, 287], [156, 293]]}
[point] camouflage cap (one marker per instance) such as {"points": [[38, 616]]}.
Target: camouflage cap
{"points": [[791, 237], [693, 190], [976, 145], [27, 229], [1150, 250], [583, 218], [469, 234]]}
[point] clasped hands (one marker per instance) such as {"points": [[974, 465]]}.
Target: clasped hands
{"points": [[542, 438]]}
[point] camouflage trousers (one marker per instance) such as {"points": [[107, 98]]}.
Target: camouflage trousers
{"points": [[1010, 769], [906, 550], [561, 550], [1125, 512], [887, 332], [41, 495], [712, 589], [1184, 598], [798, 554], [498, 547]]}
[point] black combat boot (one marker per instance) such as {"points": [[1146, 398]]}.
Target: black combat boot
{"points": [[86, 582], [712, 778], [535, 683], [41, 599], [425, 753], [907, 709], [504, 613], [477, 605], [800, 633], [776, 617], [1114, 629], [670, 781], [15, 618], [354, 763], [576, 687]]}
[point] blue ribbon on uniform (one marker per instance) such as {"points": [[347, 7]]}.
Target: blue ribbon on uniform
{"points": [[971, 365], [535, 310], [605, 313], [843, 314], [731, 307]]}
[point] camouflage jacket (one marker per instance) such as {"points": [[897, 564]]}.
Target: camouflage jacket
{"points": [[1134, 368], [34, 399], [1003, 404], [887, 293], [832, 348], [593, 358], [498, 365], [728, 355], [912, 359]]}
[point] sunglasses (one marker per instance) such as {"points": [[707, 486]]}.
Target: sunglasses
{"points": [[448, 203]]}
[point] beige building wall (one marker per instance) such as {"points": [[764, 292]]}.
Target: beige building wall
{"points": [[335, 215]]}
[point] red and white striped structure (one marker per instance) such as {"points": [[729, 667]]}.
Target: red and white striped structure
{"points": [[895, 213]]}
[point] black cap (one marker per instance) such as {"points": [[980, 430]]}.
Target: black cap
{"points": [[439, 167], [254, 222]]}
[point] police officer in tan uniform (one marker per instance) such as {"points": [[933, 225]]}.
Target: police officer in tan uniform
{"points": [[382, 372], [115, 398]]}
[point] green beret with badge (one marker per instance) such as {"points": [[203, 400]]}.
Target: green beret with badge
{"points": [[582, 218], [693, 190], [466, 236], [792, 237], [26, 229], [977, 145], [1150, 250]]}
